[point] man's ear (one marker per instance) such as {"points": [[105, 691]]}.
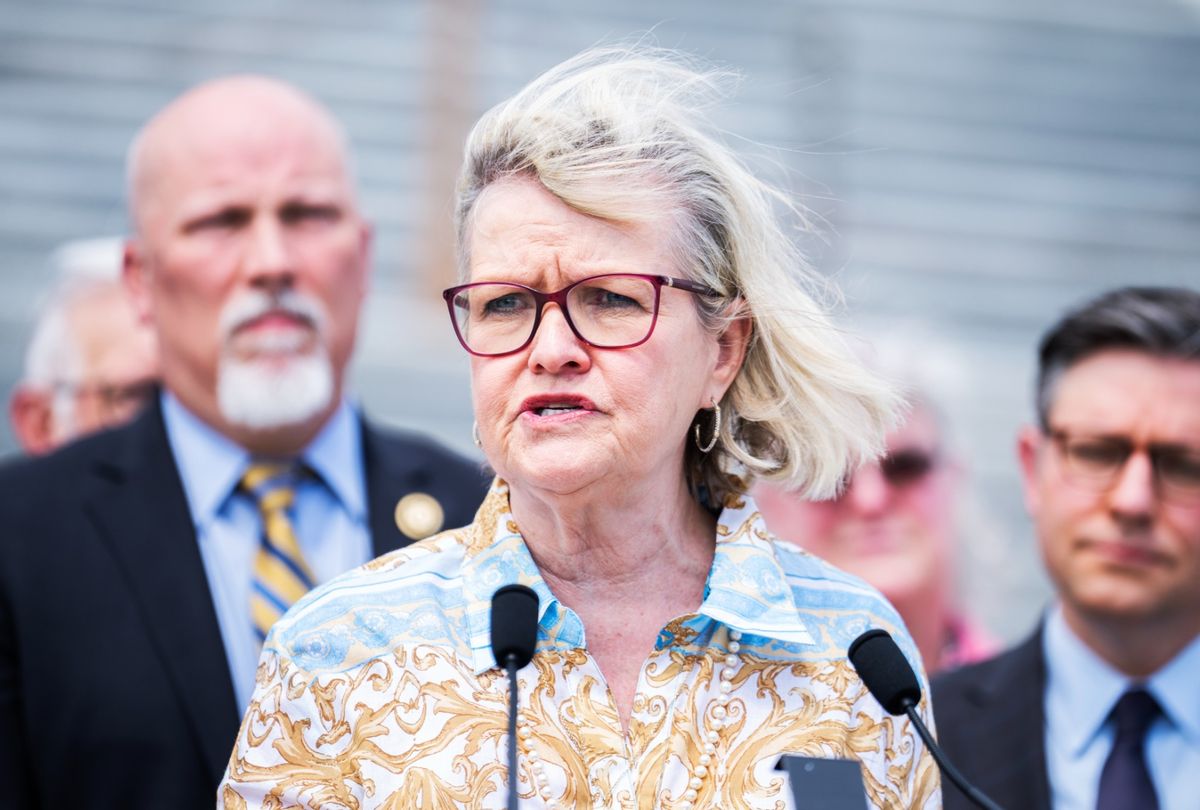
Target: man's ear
{"points": [[1030, 443], [32, 418], [133, 275], [366, 244]]}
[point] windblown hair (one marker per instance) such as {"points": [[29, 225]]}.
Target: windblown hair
{"points": [[1159, 321], [620, 133]]}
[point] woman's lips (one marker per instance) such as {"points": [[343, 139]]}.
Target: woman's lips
{"points": [[556, 409]]}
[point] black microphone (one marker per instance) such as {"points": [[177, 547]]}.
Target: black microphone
{"points": [[514, 637], [886, 673]]}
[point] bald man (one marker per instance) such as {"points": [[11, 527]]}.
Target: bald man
{"points": [[141, 569]]}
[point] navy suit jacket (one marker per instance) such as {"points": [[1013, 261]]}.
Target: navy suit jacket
{"points": [[991, 722], [114, 687]]}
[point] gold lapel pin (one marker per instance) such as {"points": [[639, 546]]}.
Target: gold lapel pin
{"points": [[419, 515]]}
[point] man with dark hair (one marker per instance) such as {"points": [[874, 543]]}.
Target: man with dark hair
{"points": [[1101, 708], [141, 569]]}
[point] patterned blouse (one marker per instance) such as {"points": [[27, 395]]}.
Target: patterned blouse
{"points": [[379, 689]]}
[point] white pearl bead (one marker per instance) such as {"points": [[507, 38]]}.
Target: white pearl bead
{"points": [[685, 806], [713, 737], [533, 756], [700, 772], [723, 698], [718, 711], [694, 783], [735, 635], [705, 759], [552, 804], [727, 674], [710, 749], [690, 795], [735, 647], [726, 686], [731, 660], [539, 768]]}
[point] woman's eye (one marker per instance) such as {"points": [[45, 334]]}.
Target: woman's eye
{"points": [[504, 304], [608, 299]]}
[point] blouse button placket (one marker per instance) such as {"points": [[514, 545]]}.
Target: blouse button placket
{"points": [[720, 714]]}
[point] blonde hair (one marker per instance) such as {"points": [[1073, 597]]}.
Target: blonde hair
{"points": [[619, 133]]}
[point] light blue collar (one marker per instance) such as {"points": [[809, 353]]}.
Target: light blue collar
{"points": [[210, 464], [1175, 688], [1087, 687], [747, 588]]}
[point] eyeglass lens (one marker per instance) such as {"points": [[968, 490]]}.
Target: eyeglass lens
{"points": [[905, 467], [1099, 461]]}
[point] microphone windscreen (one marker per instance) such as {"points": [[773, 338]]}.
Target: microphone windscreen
{"points": [[885, 671], [514, 624]]}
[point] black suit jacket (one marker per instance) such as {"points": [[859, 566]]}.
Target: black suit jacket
{"points": [[114, 686], [991, 723]]}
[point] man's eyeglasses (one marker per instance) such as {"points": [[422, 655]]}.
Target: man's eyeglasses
{"points": [[1096, 462], [114, 401], [610, 311]]}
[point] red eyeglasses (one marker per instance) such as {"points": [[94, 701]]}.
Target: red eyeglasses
{"points": [[609, 311]]}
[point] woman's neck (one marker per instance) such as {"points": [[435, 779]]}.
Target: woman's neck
{"points": [[602, 544], [626, 563]]}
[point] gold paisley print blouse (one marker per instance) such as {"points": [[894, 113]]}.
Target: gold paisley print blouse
{"points": [[379, 689]]}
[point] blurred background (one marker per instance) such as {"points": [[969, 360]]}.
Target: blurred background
{"points": [[976, 166]]}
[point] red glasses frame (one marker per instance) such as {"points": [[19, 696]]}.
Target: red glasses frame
{"points": [[559, 297]]}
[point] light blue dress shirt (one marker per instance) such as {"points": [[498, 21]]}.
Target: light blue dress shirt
{"points": [[330, 519], [1081, 689]]}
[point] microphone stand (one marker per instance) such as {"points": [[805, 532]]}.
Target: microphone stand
{"points": [[510, 666], [970, 791]]}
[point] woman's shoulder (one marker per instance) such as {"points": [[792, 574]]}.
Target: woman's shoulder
{"points": [[410, 594], [812, 579]]}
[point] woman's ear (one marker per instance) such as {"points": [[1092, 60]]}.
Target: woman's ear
{"points": [[731, 350]]}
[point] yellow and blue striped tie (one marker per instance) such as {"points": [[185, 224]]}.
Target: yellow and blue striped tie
{"points": [[280, 574]]}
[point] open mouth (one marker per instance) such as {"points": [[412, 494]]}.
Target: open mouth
{"points": [[555, 410]]}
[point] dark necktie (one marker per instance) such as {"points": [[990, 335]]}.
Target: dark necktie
{"points": [[1125, 781]]}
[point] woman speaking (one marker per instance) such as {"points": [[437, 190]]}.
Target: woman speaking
{"points": [[641, 347]]}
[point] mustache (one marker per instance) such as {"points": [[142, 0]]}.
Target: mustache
{"points": [[250, 306]]}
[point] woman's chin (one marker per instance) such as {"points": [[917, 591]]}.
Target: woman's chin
{"points": [[560, 472]]}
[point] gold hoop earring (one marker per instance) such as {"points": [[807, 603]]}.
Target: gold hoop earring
{"points": [[716, 434], [475, 435]]}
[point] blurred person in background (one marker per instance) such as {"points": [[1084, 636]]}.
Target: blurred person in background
{"points": [[141, 568], [898, 523], [640, 342], [91, 362], [1100, 708]]}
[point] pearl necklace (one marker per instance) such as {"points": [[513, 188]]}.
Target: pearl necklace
{"points": [[704, 764]]}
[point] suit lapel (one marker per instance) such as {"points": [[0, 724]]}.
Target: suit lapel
{"points": [[387, 475], [1014, 693], [139, 508]]}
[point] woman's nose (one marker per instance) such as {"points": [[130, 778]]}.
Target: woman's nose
{"points": [[555, 345]]}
